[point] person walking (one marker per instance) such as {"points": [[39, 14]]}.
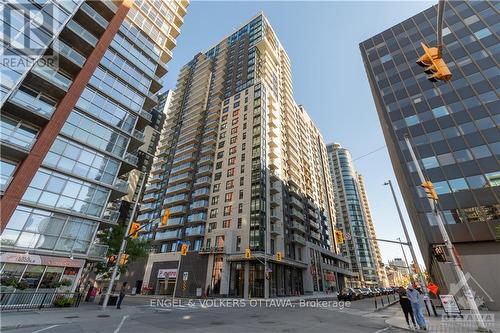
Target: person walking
{"points": [[122, 295], [406, 307], [415, 298]]}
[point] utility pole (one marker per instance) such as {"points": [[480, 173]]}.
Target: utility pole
{"points": [[266, 274], [414, 257], [123, 245], [406, 260], [451, 251]]}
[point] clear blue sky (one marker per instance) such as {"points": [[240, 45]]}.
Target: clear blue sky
{"points": [[321, 39]]}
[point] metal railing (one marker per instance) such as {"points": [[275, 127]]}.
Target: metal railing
{"points": [[22, 300]]}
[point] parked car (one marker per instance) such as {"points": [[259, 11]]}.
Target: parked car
{"points": [[359, 293], [348, 294], [376, 291], [366, 292]]}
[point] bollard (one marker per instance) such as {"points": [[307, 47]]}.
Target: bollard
{"points": [[375, 298], [381, 300]]}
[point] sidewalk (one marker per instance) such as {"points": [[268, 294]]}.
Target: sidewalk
{"points": [[442, 324]]}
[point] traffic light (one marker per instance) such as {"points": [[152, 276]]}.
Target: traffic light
{"points": [[429, 190], [434, 64], [339, 237], [164, 219], [248, 254], [133, 232], [278, 256], [184, 249], [124, 259]]}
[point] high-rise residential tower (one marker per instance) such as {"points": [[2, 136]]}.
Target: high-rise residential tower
{"points": [[453, 128], [241, 167], [72, 117], [354, 219]]}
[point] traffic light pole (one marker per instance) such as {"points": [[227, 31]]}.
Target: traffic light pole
{"points": [[406, 260], [451, 251], [122, 247], [412, 251], [440, 15]]}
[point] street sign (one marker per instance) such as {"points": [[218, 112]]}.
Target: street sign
{"points": [[185, 276], [347, 236], [450, 305]]}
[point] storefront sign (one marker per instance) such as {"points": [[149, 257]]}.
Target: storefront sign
{"points": [[32, 259], [329, 276], [450, 305], [167, 273]]}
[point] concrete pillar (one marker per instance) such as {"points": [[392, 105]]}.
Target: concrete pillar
{"points": [[246, 283]]}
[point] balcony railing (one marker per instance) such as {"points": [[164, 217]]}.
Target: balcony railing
{"points": [[98, 252], [111, 216], [138, 135], [32, 103], [298, 239], [131, 159], [121, 185]]}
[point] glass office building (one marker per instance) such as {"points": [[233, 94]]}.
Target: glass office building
{"points": [[453, 128], [72, 119]]}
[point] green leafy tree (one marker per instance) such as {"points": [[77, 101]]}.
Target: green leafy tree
{"points": [[113, 237]]}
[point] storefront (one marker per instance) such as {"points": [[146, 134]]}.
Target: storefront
{"points": [[165, 284], [36, 273]]}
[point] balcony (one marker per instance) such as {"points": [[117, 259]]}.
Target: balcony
{"points": [[184, 158], [296, 202], [195, 231], [98, 252], [314, 225], [148, 207], [315, 235], [131, 159], [276, 229], [173, 234], [69, 53], [138, 135], [181, 209], [197, 218], [53, 76], [274, 216], [121, 185], [184, 187], [32, 103], [295, 213], [111, 216], [201, 192], [205, 170], [205, 159], [201, 204], [175, 199], [183, 177], [298, 239], [174, 222], [202, 181], [150, 197], [298, 226]]}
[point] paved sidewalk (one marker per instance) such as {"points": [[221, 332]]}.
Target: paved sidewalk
{"points": [[442, 324]]}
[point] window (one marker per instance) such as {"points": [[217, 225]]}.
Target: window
{"points": [[241, 194], [476, 182], [213, 212], [458, 184], [224, 117], [482, 33], [212, 226], [231, 161], [240, 222], [234, 121], [223, 126], [493, 178], [216, 188], [233, 140], [462, 155], [232, 150], [446, 159], [412, 120], [242, 181], [243, 157], [226, 224], [234, 130], [228, 197], [218, 175], [209, 243], [430, 162], [240, 208], [220, 155], [440, 111], [222, 135], [218, 165], [229, 184], [230, 172], [228, 210], [441, 187], [238, 243], [385, 58], [221, 144], [215, 200], [242, 169], [6, 171], [235, 113], [480, 151]]}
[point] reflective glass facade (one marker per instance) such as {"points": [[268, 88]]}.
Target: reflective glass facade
{"points": [[453, 127]]}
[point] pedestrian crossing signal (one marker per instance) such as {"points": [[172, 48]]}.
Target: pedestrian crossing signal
{"points": [[184, 249], [278, 256], [248, 254]]}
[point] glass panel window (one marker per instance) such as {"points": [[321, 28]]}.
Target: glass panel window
{"points": [[430, 162], [482, 33], [462, 155], [440, 111], [480, 151], [476, 182], [442, 187], [33, 275], [6, 171], [493, 178], [458, 184]]}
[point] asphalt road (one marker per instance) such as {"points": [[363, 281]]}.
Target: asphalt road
{"points": [[138, 316]]}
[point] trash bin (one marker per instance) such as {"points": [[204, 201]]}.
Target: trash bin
{"points": [[112, 300]]}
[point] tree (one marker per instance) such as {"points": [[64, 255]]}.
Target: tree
{"points": [[113, 237]]}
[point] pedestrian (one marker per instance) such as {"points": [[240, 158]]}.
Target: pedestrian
{"points": [[122, 295], [415, 298], [406, 307]]}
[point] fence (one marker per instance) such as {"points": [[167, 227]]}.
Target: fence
{"points": [[20, 300]]}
